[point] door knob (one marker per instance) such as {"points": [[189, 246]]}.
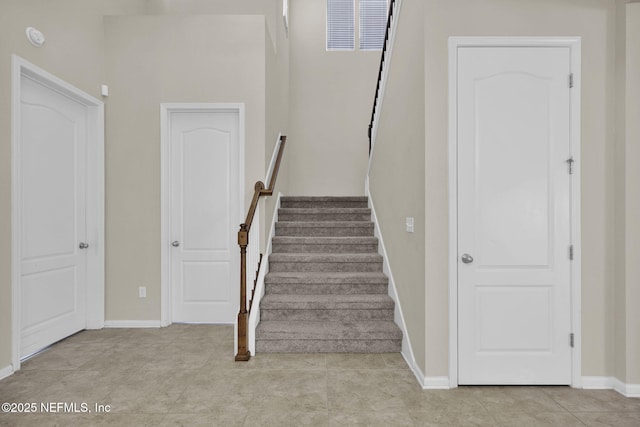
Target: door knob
{"points": [[467, 259], [175, 243], [83, 245]]}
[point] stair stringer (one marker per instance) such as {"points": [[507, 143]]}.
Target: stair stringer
{"points": [[398, 316], [254, 315]]}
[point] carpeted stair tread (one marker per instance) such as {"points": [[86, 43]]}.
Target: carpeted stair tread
{"points": [[362, 240], [324, 210], [327, 283], [325, 215], [324, 228], [363, 199], [324, 202], [305, 330], [325, 224], [325, 258], [324, 244], [327, 302], [329, 346], [326, 277], [354, 262]]}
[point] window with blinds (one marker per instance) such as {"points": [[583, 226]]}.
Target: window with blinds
{"points": [[373, 23], [340, 25]]}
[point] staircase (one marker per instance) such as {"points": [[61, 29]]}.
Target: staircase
{"points": [[325, 290]]}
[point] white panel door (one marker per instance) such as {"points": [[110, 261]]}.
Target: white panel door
{"points": [[53, 163], [514, 215], [204, 216]]}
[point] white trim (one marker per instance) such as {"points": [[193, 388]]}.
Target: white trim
{"points": [[6, 372], [94, 200], [133, 324], [574, 44], [254, 315], [436, 383], [398, 316], [611, 383], [165, 174], [597, 383], [384, 79]]}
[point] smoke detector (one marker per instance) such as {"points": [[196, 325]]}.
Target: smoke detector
{"points": [[35, 37]]}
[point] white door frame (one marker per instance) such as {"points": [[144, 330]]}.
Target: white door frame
{"points": [[95, 195], [166, 109], [574, 45]]}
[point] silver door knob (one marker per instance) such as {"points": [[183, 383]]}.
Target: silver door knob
{"points": [[175, 243], [83, 245], [467, 259]]}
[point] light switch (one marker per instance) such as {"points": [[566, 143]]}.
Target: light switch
{"points": [[409, 224]]}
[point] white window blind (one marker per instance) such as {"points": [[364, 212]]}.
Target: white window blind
{"points": [[373, 23], [340, 25]]}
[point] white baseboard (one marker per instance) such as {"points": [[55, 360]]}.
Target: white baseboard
{"points": [[132, 324], [427, 383], [436, 383], [6, 371], [611, 383]]}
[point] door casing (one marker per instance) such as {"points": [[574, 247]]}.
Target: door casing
{"points": [[166, 109], [95, 196], [574, 45]]}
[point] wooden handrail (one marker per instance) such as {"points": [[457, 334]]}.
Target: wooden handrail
{"points": [[392, 5], [243, 241]]}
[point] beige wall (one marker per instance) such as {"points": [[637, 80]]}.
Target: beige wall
{"points": [[632, 202], [266, 8], [397, 170], [153, 60], [331, 96], [620, 306], [74, 51]]}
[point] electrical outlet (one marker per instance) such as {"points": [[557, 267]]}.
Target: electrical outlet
{"points": [[409, 223], [142, 292]]}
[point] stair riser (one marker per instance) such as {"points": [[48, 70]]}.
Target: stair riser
{"points": [[324, 217], [345, 267], [324, 231], [320, 289], [325, 315], [332, 204], [328, 346], [325, 249]]}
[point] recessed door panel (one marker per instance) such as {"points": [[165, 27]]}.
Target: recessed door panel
{"points": [[205, 189], [512, 172]]}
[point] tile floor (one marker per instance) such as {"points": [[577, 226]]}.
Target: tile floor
{"points": [[185, 375]]}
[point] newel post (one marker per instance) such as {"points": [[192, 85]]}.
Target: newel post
{"points": [[243, 317]]}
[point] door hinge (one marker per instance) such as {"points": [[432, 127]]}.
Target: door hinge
{"points": [[571, 252], [570, 162], [570, 80], [571, 340]]}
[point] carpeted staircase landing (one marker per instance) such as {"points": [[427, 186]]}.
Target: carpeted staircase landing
{"points": [[325, 290]]}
